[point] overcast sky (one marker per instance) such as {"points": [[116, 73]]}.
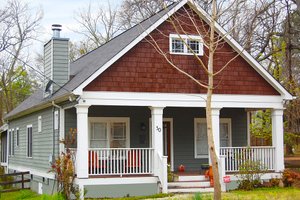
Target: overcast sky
{"points": [[61, 12]]}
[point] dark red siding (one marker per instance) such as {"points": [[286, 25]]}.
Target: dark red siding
{"points": [[142, 69]]}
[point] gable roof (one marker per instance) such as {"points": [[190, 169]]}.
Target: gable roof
{"points": [[85, 69]]}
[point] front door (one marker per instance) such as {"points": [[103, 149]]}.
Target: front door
{"points": [[167, 139]]}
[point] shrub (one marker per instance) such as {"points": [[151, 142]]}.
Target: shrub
{"points": [[250, 173], [289, 177]]}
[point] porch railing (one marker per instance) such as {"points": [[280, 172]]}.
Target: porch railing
{"points": [[235, 157], [120, 161]]}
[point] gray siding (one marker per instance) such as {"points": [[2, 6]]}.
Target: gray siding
{"points": [[56, 55], [145, 189], [42, 146]]}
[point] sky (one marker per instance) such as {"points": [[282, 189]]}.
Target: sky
{"points": [[60, 12]]}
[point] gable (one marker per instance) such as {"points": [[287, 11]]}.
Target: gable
{"points": [[142, 69]]}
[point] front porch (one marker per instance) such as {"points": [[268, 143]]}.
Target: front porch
{"points": [[139, 141]]}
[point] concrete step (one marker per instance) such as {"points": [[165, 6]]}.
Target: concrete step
{"points": [[190, 190], [189, 184], [192, 178]]}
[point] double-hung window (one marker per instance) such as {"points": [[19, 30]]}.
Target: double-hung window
{"points": [[109, 132], [201, 142], [186, 44], [13, 142], [29, 141]]}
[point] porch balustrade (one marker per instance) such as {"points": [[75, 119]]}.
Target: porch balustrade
{"points": [[235, 157], [120, 161]]}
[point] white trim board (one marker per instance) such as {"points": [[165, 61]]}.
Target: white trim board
{"points": [[116, 180], [202, 14], [180, 100], [50, 175]]}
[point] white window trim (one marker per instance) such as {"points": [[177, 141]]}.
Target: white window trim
{"points": [[17, 137], [40, 122], [29, 126], [9, 142], [185, 49], [111, 120], [203, 120]]}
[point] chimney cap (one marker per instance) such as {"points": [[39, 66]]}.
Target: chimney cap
{"points": [[56, 28]]}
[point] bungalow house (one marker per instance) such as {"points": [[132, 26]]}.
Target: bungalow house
{"points": [[135, 114]]}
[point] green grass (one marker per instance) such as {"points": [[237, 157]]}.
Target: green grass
{"points": [[258, 194]]}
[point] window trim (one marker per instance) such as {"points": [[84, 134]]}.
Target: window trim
{"points": [[203, 120], [27, 139], [40, 122], [9, 142], [185, 49], [109, 120]]}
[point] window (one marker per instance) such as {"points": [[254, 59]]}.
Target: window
{"points": [[17, 137], [186, 44], [56, 120], [40, 124], [201, 143], [29, 141], [109, 132]]}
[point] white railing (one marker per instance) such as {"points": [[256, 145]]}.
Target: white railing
{"points": [[161, 171], [120, 161], [238, 156]]}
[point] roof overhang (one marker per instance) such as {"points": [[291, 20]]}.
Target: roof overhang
{"points": [[38, 107], [205, 16], [3, 128]]}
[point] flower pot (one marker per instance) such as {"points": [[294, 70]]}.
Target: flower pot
{"points": [[181, 168]]}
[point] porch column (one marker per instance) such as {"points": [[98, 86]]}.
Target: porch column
{"points": [[277, 138], [157, 129], [216, 129], [82, 141]]}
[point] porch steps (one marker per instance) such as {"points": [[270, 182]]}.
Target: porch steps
{"points": [[190, 184]]}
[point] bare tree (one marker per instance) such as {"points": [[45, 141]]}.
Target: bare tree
{"points": [[98, 26], [187, 22], [18, 28]]}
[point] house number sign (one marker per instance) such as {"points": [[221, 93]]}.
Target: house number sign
{"points": [[158, 129]]}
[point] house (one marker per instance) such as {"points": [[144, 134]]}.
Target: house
{"points": [[134, 113]]}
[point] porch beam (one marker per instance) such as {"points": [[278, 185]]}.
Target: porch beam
{"points": [[82, 141], [277, 138]]}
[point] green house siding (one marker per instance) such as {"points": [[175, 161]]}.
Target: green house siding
{"points": [[42, 142]]}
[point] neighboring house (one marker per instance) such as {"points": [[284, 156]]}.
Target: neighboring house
{"points": [[3, 145], [134, 113]]}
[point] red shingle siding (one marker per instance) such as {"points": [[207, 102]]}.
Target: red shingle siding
{"points": [[142, 69]]}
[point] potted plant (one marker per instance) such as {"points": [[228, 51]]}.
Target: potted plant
{"points": [[181, 168]]}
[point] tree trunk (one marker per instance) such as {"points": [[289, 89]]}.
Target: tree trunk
{"points": [[210, 137]]}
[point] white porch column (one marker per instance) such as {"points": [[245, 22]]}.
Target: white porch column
{"points": [[277, 138], [157, 129], [82, 141], [216, 130]]}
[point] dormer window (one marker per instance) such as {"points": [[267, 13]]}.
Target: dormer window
{"points": [[186, 44]]}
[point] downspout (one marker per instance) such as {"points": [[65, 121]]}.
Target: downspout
{"points": [[58, 126]]}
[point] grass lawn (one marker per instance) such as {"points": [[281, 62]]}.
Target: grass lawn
{"points": [[258, 194]]}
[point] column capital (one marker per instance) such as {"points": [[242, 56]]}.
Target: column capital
{"points": [[82, 108], [277, 111], [215, 111], [156, 110]]}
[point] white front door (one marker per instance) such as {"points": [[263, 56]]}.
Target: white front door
{"points": [[225, 132]]}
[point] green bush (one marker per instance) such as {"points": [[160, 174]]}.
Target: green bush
{"points": [[250, 173]]}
